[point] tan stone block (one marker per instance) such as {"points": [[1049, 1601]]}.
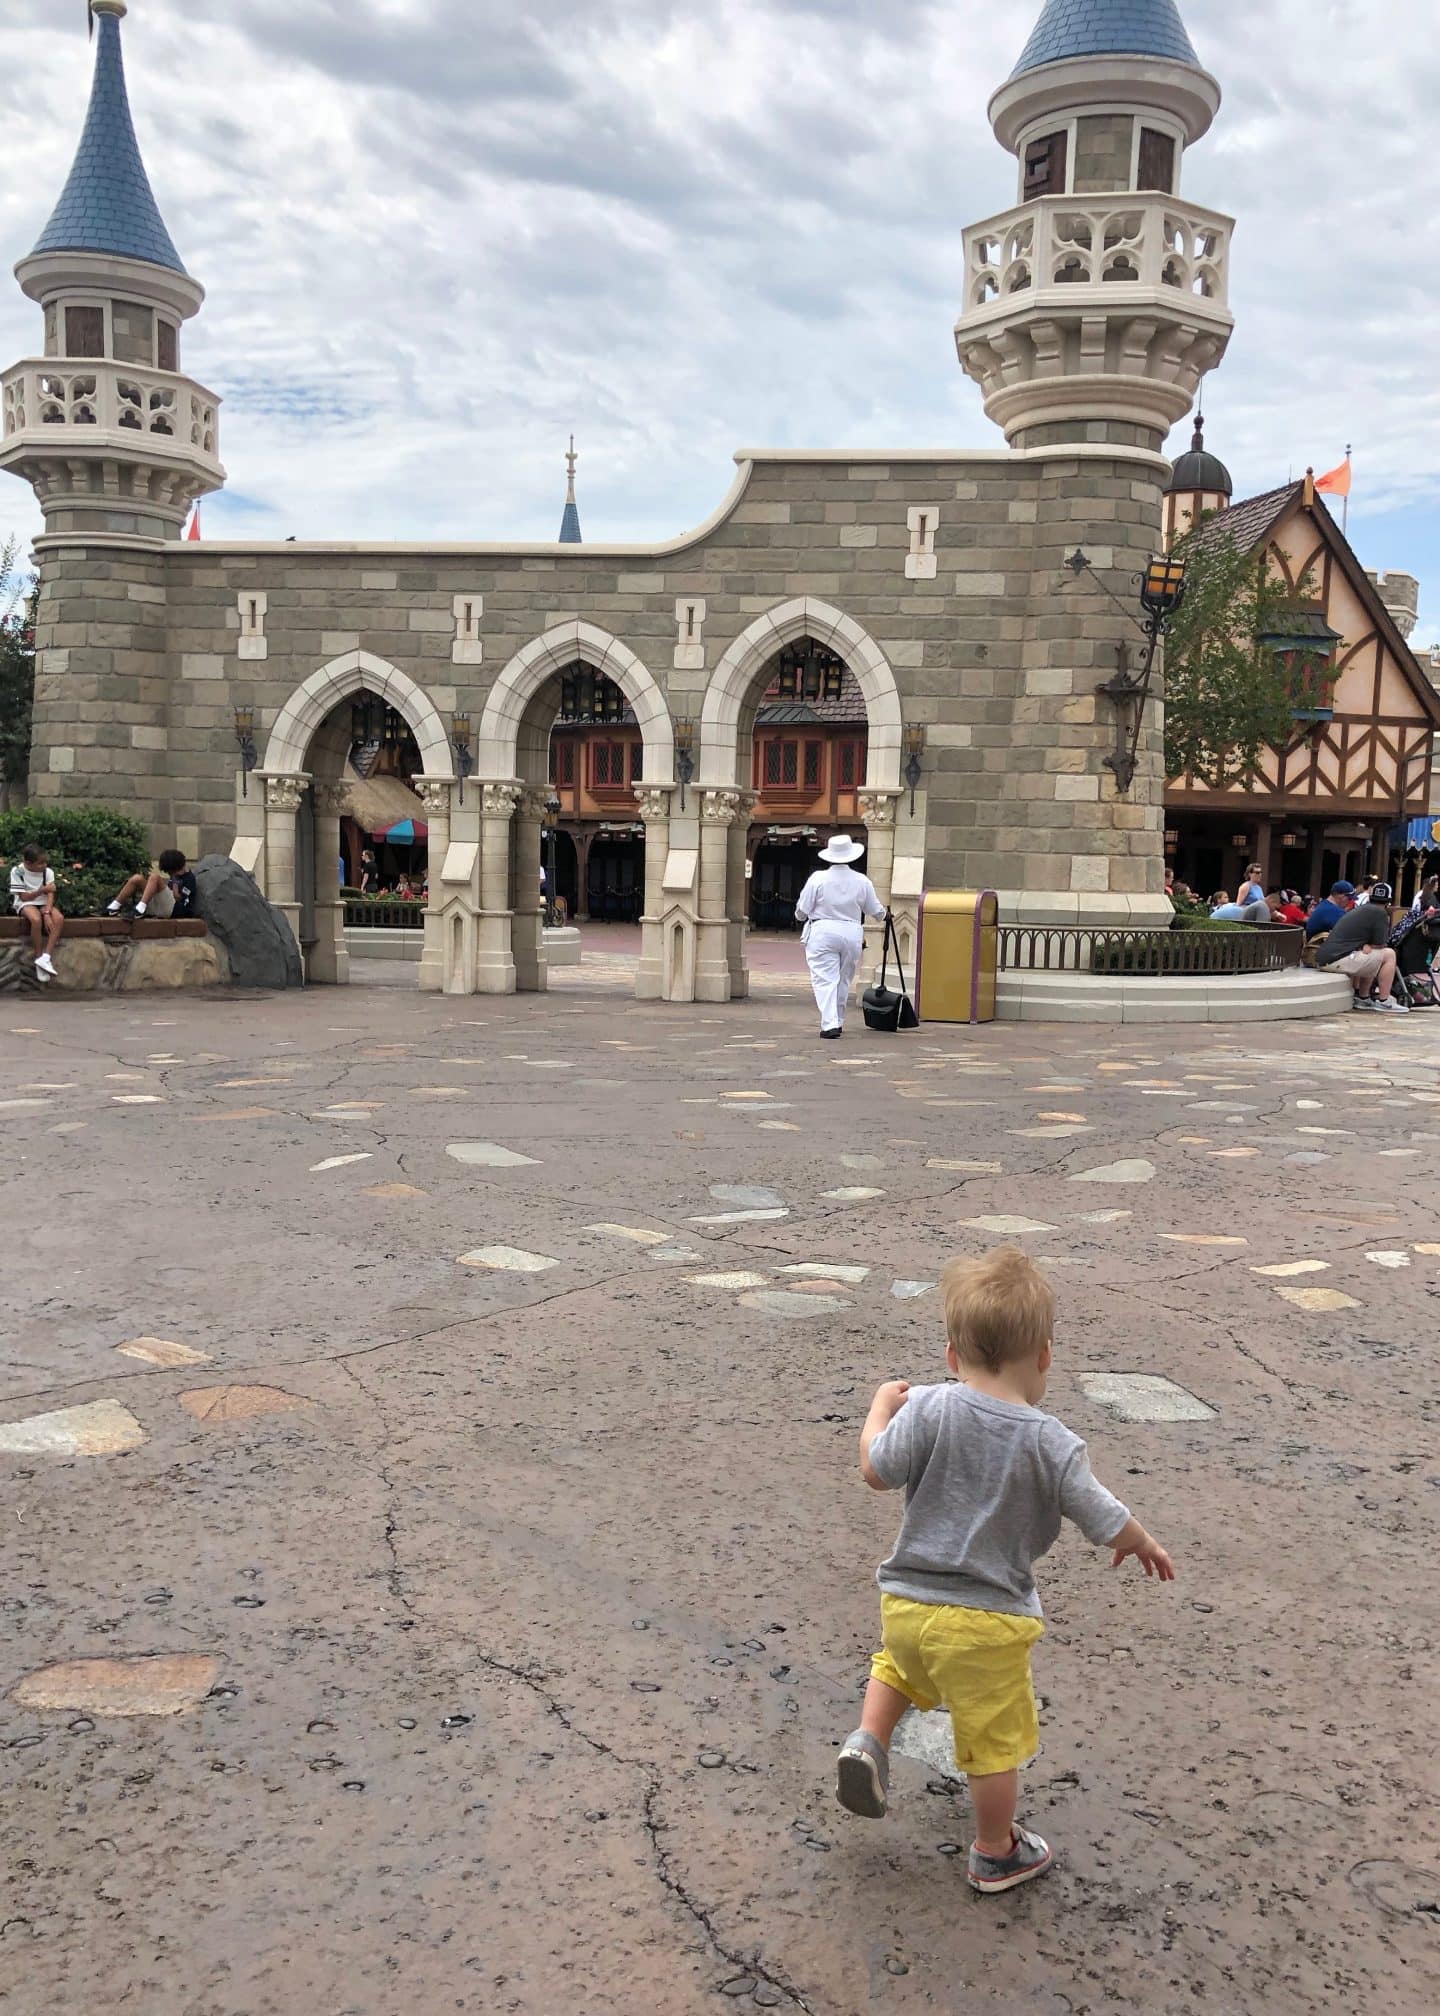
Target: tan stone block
{"points": [[1090, 872], [1068, 760], [1070, 789], [761, 514], [1049, 679], [1128, 818], [378, 579], [1079, 712], [979, 584]]}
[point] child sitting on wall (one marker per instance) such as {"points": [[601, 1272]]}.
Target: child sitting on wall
{"points": [[167, 891]]}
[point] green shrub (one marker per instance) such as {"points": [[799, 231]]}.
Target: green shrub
{"points": [[91, 849]]}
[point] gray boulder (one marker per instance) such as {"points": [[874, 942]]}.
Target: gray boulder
{"points": [[257, 939]]}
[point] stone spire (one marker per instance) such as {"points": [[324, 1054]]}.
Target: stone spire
{"points": [[115, 442], [570, 523], [1094, 307]]}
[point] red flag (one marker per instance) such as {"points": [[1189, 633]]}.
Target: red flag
{"points": [[1336, 482], [194, 531]]}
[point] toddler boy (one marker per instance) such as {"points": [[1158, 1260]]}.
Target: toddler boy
{"points": [[988, 1478]]}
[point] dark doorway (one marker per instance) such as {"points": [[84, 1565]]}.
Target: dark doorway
{"points": [[780, 871], [616, 882]]}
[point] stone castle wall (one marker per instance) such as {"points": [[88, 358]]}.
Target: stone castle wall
{"points": [[995, 648]]}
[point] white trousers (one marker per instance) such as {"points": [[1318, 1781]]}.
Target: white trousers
{"points": [[832, 952]]}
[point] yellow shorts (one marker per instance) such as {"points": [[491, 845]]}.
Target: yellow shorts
{"points": [[975, 1663]]}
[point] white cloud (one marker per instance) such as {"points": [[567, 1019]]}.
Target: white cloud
{"points": [[438, 234]]}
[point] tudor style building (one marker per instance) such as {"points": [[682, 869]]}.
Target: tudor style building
{"points": [[1359, 760], [1091, 306]]}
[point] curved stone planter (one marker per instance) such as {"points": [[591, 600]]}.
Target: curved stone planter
{"points": [[1295, 995]]}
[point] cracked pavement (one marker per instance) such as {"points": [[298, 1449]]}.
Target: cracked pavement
{"points": [[540, 1619]]}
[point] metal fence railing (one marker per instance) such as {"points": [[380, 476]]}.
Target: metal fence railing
{"points": [[1180, 954], [384, 916]]}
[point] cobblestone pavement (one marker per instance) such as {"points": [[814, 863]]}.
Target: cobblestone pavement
{"points": [[437, 1574]]}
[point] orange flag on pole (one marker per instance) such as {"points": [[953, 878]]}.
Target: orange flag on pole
{"points": [[1336, 482], [194, 531]]}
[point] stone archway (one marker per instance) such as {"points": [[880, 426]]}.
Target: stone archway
{"points": [[303, 794], [512, 753], [892, 832]]}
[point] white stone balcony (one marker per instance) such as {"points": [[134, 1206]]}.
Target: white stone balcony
{"points": [[125, 405], [110, 449], [1095, 308], [1056, 242]]}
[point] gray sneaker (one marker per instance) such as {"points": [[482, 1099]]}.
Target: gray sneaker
{"points": [[1029, 1858], [862, 1776]]}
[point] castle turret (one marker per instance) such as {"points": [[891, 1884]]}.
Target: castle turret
{"points": [[1199, 485], [570, 520], [1095, 306], [116, 443]]}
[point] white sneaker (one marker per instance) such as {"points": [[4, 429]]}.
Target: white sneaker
{"points": [[113, 909], [46, 965], [1364, 1002], [1391, 1006], [139, 909]]}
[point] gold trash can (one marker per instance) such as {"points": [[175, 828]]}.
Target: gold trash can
{"points": [[957, 955]]}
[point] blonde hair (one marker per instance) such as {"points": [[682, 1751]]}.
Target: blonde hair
{"points": [[998, 1309]]}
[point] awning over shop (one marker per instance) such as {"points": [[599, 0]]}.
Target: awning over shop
{"points": [[1420, 835], [382, 805]]}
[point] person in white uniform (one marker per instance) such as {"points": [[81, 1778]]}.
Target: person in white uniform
{"points": [[833, 907]]}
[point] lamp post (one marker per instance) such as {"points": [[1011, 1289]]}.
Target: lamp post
{"points": [[464, 754], [245, 737], [1162, 590]]}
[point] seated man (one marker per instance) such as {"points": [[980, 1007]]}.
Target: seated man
{"points": [[1359, 947], [32, 895], [1327, 914], [167, 891]]}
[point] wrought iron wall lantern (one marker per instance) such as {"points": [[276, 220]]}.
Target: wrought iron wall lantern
{"points": [[460, 742], [245, 737], [1162, 590], [684, 754], [914, 750]]}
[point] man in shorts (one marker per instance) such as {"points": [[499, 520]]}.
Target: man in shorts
{"points": [[1358, 945]]}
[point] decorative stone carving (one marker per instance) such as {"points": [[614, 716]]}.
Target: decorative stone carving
{"points": [[877, 808], [690, 634], [252, 605], [653, 803], [921, 521], [534, 802], [434, 795], [724, 808], [498, 801], [333, 800], [283, 794]]}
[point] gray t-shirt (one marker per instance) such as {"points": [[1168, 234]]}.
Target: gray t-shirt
{"points": [[987, 1483], [1362, 929]]}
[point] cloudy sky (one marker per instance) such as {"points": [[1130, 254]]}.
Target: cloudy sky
{"points": [[437, 235]]}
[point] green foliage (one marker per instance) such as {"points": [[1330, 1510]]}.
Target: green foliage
{"points": [[1227, 696], [17, 666], [91, 850]]}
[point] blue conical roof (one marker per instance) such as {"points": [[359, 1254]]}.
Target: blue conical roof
{"points": [[1107, 28], [570, 522], [107, 205]]}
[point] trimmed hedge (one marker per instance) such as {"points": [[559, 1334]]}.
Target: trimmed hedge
{"points": [[91, 849]]}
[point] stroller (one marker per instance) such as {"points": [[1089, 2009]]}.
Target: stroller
{"points": [[1415, 942]]}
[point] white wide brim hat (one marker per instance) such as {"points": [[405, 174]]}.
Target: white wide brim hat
{"points": [[841, 851]]}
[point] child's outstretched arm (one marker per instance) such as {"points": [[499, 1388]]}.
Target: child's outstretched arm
{"points": [[888, 1401], [1133, 1539]]}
